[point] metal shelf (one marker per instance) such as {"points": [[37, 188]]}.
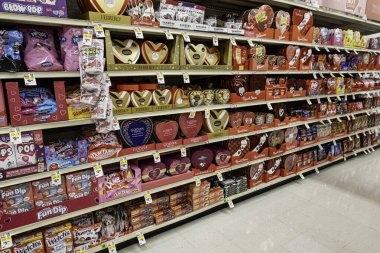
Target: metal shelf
{"points": [[141, 194], [203, 210], [48, 174]]}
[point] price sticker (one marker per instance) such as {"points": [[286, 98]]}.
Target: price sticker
{"points": [[30, 79], [111, 247], [317, 170], [186, 77], [309, 101], [270, 106], [56, 179], [307, 126], [320, 146], [183, 152], [329, 99], [192, 114], [80, 250], [207, 113], [250, 43], [319, 100], [141, 238], [15, 135], [160, 78], [124, 164], [229, 202], [148, 198], [233, 41], [301, 176], [198, 182], [138, 33], [98, 170], [317, 48], [6, 241], [215, 41], [87, 36], [220, 176], [157, 157], [321, 74], [99, 31], [315, 75], [115, 124], [327, 49], [186, 37], [169, 35]]}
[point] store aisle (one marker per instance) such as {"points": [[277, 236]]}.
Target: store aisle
{"points": [[335, 211]]}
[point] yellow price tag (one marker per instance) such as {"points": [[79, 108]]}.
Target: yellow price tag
{"points": [[192, 114], [183, 152], [230, 203], [198, 182], [220, 176], [30, 79], [87, 36], [207, 113], [56, 179], [148, 199], [138, 32], [15, 135], [141, 238], [99, 31], [6, 241], [98, 170], [111, 247], [157, 157]]}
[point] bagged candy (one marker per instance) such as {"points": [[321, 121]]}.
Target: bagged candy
{"points": [[40, 51], [10, 44], [69, 38], [37, 101]]}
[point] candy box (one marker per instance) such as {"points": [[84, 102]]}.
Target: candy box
{"points": [[50, 8], [44, 189], [3, 109], [66, 153], [59, 238], [79, 184], [7, 153], [20, 117], [50, 201], [31, 243], [86, 236], [26, 151], [9, 250], [17, 196]]}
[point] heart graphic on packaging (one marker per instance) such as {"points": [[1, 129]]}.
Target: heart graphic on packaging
{"points": [[136, 133], [303, 19], [179, 99], [290, 162], [162, 97], [239, 147], [195, 54], [190, 127], [212, 56], [305, 55], [263, 18], [183, 166], [116, 7], [222, 156], [120, 99], [248, 118], [292, 54], [235, 119], [217, 121], [166, 130], [152, 171], [127, 51], [154, 53], [202, 158], [282, 21], [176, 164], [141, 98]]}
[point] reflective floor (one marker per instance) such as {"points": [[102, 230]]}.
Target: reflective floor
{"points": [[335, 211]]}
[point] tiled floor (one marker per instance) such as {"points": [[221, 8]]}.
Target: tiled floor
{"points": [[335, 211]]}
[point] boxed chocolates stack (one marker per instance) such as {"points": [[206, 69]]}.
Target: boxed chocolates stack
{"points": [[141, 215], [204, 195], [234, 185], [178, 201]]}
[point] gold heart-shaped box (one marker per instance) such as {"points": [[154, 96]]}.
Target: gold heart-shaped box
{"points": [[212, 56], [127, 51], [162, 97], [154, 53], [141, 98], [195, 54], [217, 121], [179, 99], [116, 7]]}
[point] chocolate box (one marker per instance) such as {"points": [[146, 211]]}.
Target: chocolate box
{"points": [[86, 236], [14, 106], [50, 8], [31, 243], [59, 238], [3, 109], [29, 156]]}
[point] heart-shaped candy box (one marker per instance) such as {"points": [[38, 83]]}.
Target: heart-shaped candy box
{"points": [[136, 133]]}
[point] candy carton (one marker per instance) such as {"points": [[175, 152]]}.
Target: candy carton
{"points": [[31, 243], [51, 8], [41, 203], [17, 196], [43, 189], [59, 238], [3, 110], [7, 153], [26, 151], [66, 153], [87, 236], [79, 184]]}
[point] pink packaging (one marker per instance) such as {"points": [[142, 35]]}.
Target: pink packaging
{"points": [[7, 153], [69, 38], [40, 52], [26, 151], [357, 7], [337, 37]]}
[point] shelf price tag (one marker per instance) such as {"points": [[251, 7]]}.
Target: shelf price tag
{"points": [[148, 198], [192, 114], [15, 135], [30, 79], [186, 77], [364, 134], [332, 75], [307, 126], [138, 32], [334, 142], [98, 170], [341, 74], [319, 100], [198, 182], [229, 202], [183, 152], [348, 117], [233, 41], [373, 150], [115, 124], [82, 251], [329, 99], [327, 49], [124, 164], [317, 48], [365, 152], [337, 49], [186, 37], [301, 176], [270, 106], [157, 157], [351, 75], [215, 41], [56, 179], [329, 120], [339, 98], [317, 170], [141, 238], [347, 51], [220, 176], [320, 146], [160, 78], [345, 97], [99, 31], [315, 75], [355, 154], [321, 74], [6, 241], [360, 74], [339, 119], [353, 116], [344, 158], [357, 136], [207, 113], [169, 35], [111, 247], [250, 43], [309, 101], [87, 36], [350, 138], [356, 52]]}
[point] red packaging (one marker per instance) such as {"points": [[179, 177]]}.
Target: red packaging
{"points": [[31, 243], [43, 189], [59, 238], [17, 198], [79, 184]]}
